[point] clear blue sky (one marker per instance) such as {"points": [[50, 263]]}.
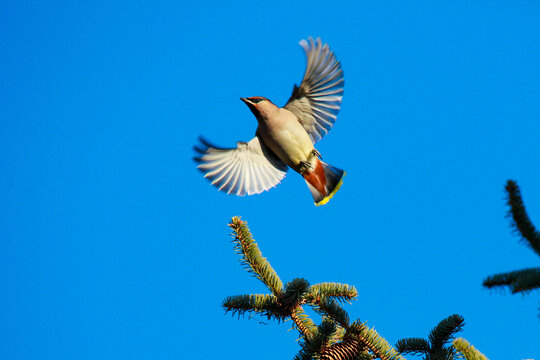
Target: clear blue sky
{"points": [[114, 246]]}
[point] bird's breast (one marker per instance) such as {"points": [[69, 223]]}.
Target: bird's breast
{"points": [[287, 138]]}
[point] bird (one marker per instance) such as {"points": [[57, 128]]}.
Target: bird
{"points": [[285, 136]]}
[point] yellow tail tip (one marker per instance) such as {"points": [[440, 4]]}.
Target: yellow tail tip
{"points": [[329, 196]]}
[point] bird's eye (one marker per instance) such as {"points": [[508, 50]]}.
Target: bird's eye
{"points": [[256, 100]]}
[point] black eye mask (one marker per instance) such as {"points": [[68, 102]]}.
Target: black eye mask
{"points": [[255, 101]]}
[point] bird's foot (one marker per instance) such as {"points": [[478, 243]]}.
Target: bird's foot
{"points": [[316, 153], [304, 166]]}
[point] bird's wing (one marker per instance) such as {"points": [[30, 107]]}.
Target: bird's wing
{"points": [[248, 169], [317, 100]]}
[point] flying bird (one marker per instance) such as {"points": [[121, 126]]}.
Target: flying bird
{"points": [[284, 136]]}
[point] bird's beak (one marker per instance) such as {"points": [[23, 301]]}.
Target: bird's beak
{"points": [[250, 105]]}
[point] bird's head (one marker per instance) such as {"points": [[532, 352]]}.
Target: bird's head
{"points": [[260, 106]]}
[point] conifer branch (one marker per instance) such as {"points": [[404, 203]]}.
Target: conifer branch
{"points": [[294, 292], [526, 279], [379, 346], [445, 330], [438, 337], [338, 336], [252, 258], [324, 345], [374, 342], [325, 332], [303, 322], [468, 351], [520, 220], [304, 354], [341, 292], [313, 345], [518, 281], [262, 304], [332, 309], [414, 346]]}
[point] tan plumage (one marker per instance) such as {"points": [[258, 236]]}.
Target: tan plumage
{"points": [[285, 136]]}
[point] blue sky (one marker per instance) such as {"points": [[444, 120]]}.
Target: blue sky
{"points": [[115, 247]]}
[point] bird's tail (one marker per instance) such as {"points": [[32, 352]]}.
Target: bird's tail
{"points": [[323, 181]]}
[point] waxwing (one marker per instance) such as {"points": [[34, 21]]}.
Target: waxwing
{"points": [[284, 136]]}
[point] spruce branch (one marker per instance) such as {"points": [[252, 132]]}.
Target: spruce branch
{"points": [[294, 292], [520, 220], [338, 336], [313, 346], [303, 322], [262, 304], [354, 342], [252, 257], [414, 346], [435, 349], [325, 332], [378, 345], [341, 292], [305, 353], [446, 353], [468, 351], [330, 308], [445, 330], [518, 281], [526, 279]]}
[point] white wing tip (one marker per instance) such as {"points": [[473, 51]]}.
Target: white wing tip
{"points": [[305, 45]]}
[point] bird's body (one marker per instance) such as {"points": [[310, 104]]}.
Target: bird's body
{"points": [[285, 136]]}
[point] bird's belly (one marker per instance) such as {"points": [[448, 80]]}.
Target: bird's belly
{"points": [[291, 145]]}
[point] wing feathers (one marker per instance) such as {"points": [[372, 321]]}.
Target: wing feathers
{"points": [[248, 169], [316, 102]]}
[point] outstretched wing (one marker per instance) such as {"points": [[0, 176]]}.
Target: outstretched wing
{"points": [[317, 100], [250, 168]]}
